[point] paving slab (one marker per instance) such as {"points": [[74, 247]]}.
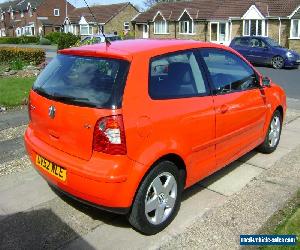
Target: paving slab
{"points": [[232, 178], [289, 139], [293, 126], [119, 235], [25, 196], [264, 160]]}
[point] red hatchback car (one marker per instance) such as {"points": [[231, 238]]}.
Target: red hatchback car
{"points": [[127, 127]]}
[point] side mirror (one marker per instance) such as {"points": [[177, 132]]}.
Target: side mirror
{"points": [[266, 81]]}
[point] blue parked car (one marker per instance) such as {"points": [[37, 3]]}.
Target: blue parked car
{"points": [[264, 50]]}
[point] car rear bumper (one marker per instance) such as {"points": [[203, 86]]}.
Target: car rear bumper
{"points": [[102, 181]]}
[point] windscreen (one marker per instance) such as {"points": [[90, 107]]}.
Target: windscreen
{"points": [[83, 81]]}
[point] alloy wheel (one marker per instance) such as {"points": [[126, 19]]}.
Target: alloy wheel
{"points": [[277, 62], [160, 198], [274, 132]]}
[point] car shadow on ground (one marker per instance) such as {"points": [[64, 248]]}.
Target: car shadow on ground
{"points": [[35, 229], [94, 212], [121, 220]]}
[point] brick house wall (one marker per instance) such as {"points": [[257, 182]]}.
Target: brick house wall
{"points": [[116, 24], [170, 35], [236, 28]]}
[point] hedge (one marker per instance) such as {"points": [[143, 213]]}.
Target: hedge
{"points": [[53, 37], [67, 40], [29, 55], [19, 40]]}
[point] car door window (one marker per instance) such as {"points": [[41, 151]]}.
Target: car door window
{"points": [[257, 43], [242, 41], [176, 75], [228, 72]]}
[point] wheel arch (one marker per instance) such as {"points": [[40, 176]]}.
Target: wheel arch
{"points": [[172, 157]]}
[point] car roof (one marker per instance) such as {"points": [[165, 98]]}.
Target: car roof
{"points": [[261, 37], [126, 49]]}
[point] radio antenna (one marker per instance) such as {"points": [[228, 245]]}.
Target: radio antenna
{"points": [[100, 28]]}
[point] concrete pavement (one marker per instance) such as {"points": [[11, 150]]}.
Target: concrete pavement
{"points": [[27, 202]]}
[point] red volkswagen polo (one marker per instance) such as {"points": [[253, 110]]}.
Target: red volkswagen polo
{"points": [[127, 127]]}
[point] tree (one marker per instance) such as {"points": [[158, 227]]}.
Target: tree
{"points": [[150, 3]]}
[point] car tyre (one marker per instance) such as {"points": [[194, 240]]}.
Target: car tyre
{"points": [[273, 135], [157, 200], [277, 62]]}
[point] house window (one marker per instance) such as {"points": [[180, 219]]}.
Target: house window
{"points": [[86, 30], [186, 27], [218, 32], [18, 32], [56, 12], [126, 26], [295, 28], [255, 28], [160, 27]]}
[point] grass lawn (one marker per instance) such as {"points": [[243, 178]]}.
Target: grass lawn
{"points": [[290, 225], [13, 91]]}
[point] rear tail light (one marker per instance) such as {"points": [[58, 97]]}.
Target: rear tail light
{"points": [[109, 135]]}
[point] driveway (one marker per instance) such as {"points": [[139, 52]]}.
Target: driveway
{"points": [[34, 216]]}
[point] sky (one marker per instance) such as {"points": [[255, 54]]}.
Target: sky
{"points": [[80, 3]]}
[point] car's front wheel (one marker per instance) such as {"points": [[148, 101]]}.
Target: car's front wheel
{"points": [[273, 135], [277, 62], [157, 200]]}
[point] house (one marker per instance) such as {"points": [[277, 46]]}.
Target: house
{"points": [[220, 21], [113, 18], [32, 17]]}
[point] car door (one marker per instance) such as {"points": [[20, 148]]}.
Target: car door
{"points": [[182, 112], [239, 102], [241, 44], [260, 51]]}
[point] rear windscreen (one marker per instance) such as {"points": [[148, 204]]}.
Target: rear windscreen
{"points": [[83, 81]]}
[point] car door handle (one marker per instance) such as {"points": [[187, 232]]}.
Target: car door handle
{"points": [[224, 109]]}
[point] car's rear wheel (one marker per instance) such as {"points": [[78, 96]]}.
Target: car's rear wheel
{"points": [[273, 135], [157, 200], [277, 62]]}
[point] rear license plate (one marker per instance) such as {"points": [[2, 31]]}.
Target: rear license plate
{"points": [[52, 168]]}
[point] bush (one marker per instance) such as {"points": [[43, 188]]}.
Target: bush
{"points": [[27, 55], [53, 37], [9, 40], [28, 39], [45, 41], [17, 64], [19, 40], [67, 40]]}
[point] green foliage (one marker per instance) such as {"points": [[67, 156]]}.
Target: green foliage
{"points": [[67, 40], [9, 40], [17, 64], [129, 35], [19, 40], [53, 37], [27, 55], [14, 91], [28, 39], [45, 41]]}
